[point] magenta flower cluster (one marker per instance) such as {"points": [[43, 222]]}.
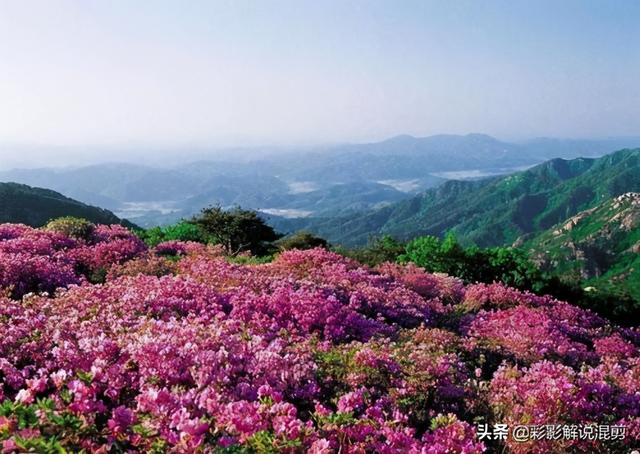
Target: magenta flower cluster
{"points": [[310, 353], [37, 260]]}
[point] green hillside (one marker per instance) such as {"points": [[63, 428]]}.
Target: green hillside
{"points": [[24, 204], [491, 212], [599, 246]]}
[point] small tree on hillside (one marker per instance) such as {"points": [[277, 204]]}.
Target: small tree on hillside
{"points": [[301, 240], [379, 250], [181, 231], [237, 230], [435, 255]]}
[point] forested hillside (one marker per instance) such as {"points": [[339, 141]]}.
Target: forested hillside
{"points": [[599, 246], [36, 206], [494, 211]]}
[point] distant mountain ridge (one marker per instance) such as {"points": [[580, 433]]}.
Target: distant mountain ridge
{"points": [[319, 182], [23, 204], [494, 211]]}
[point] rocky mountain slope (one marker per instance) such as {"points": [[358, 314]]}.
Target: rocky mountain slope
{"points": [[600, 245]]}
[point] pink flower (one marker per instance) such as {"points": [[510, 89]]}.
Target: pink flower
{"points": [[320, 446], [121, 419], [312, 352], [351, 402], [25, 396]]}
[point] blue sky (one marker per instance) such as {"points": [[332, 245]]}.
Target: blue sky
{"points": [[237, 72]]}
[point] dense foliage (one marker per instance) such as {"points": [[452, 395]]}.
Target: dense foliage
{"points": [[510, 266], [36, 206], [301, 240], [377, 251], [236, 229], [77, 228], [180, 231], [180, 350]]}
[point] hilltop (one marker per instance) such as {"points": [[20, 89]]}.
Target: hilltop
{"points": [[24, 204]]}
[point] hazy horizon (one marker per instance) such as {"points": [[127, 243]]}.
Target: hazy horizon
{"points": [[25, 156], [93, 76]]}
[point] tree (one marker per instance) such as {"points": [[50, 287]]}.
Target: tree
{"points": [[379, 250], [508, 265], [437, 256], [181, 231], [301, 240], [237, 230]]}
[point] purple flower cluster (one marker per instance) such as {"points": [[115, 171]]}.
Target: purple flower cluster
{"points": [[551, 393], [310, 353], [38, 260], [175, 247]]}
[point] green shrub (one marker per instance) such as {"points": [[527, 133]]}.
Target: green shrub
{"points": [[512, 267], [379, 250], [504, 264], [243, 259], [181, 231], [301, 240], [73, 227]]}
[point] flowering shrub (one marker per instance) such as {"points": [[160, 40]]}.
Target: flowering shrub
{"points": [[526, 334], [180, 350], [435, 285], [551, 393], [24, 273], [179, 248], [109, 245], [72, 227], [42, 260], [616, 347], [151, 265], [451, 435]]}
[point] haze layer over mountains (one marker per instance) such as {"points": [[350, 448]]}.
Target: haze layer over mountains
{"points": [[302, 183]]}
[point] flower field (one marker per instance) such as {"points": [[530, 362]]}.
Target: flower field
{"points": [[107, 346]]}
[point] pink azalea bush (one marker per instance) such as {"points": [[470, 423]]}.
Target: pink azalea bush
{"points": [[181, 248], [179, 350], [42, 260]]}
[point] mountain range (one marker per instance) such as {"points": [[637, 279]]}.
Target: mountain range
{"points": [[321, 182], [492, 211], [578, 218]]}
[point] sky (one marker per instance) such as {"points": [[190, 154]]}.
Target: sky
{"points": [[91, 74]]}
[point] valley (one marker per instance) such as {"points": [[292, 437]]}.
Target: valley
{"points": [[319, 183]]}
